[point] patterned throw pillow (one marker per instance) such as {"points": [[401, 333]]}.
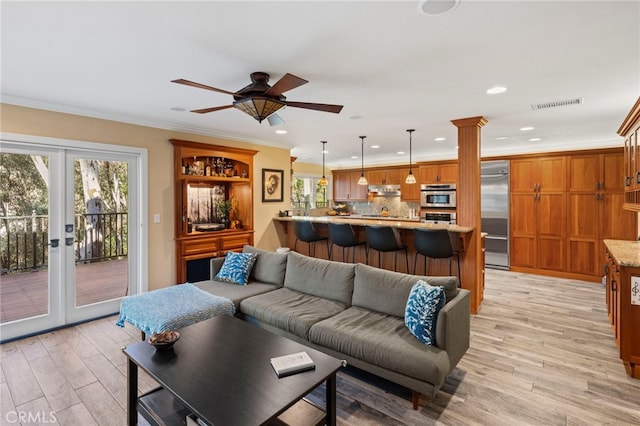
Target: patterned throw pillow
{"points": [[422, 309], [236, 268]]}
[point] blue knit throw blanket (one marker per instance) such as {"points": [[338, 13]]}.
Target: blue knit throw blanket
{"points": [[172, 308]]}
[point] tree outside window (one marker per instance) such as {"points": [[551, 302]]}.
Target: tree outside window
{"points": [[307, 193]]}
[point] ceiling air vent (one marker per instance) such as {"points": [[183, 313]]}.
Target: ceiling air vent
{"points": [[555, 104]]}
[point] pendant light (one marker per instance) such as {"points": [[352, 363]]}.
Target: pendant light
{"points": [[362, 180], [411, 179], [323, 181]]}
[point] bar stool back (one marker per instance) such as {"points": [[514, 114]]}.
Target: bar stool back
{"points": [[305, 232], [434, 244], [342, 235], [385, 239]]}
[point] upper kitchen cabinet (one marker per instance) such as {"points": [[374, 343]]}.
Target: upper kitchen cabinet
{"points": [[441, 172], [384, 176], [346, 188], [544, 174], [410, 191], [630, 131]]}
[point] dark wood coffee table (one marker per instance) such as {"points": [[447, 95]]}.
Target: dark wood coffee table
{"points": [[220, 371]]}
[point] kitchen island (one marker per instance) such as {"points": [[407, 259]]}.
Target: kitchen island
{"points": [[404, 225]]}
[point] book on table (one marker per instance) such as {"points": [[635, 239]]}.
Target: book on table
{"points": [[290, 364]]}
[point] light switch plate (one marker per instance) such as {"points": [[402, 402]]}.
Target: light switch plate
{"points": [[156, 218]]}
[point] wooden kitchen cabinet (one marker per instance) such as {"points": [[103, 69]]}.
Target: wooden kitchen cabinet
{"points": [[346, 188], [630, 131], [538, 213], [596, 197], [205, 175], [410, 192], [623, 306], [441, 172]]}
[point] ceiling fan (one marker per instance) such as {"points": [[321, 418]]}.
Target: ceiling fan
{"points": [[260, 100]]}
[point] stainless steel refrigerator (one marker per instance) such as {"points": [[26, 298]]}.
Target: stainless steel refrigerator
{"points": [[494, 197]]}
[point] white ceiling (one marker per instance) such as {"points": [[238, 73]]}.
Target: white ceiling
{"points": [[392, 68]]}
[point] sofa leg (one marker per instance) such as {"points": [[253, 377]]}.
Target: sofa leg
{"points": [[415, 396]]}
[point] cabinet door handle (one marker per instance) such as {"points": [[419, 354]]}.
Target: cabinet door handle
{"points": [[614, 285]]}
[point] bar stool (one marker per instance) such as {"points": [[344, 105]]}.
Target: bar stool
{"points": [[434, 244], [385, 239], [305, 232], [342, 235]]}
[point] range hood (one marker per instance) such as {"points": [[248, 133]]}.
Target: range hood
{"points": [[385, 190]]}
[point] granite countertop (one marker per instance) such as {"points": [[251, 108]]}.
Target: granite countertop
{"points": [[625, 252], [401, 223]]}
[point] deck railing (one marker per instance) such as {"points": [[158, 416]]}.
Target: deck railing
{"points": [[24, 240]]}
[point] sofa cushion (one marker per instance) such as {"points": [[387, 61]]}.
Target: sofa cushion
{"points": [[319, 277], [290, 310], [270, 266], [422, 310], [387, 291], [236, 267], [233, 291], [382, 340]]}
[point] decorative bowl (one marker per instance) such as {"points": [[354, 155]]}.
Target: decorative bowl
{"points": [[164, 340]]}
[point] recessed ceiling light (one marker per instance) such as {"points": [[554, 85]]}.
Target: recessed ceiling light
{"points": [[375, 146], [178, 109], [526, 129], [355, 117], [534, 139], [400, 152], [354, 157], [281, 132], [496, 90], [325, 151], [436, 7], [440, 139], [501, 138]]}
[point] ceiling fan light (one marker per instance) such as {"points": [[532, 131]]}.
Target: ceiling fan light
{"points": [[258, 107], [410, 178]]}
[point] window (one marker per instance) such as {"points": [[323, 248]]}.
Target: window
{"points": [[306, 193]]}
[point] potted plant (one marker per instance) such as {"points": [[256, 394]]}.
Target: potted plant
{"points": [[224, 209]]}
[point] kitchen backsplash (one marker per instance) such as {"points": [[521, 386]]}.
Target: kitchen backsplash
{"points": [[393, 204]]}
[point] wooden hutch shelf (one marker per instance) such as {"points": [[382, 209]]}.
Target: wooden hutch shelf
{"points": [[206, 175]]}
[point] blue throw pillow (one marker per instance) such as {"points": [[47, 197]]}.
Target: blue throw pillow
{"points": [[236, 268], [422, 309]]}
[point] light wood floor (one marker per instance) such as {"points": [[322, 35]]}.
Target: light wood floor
{"points": [[542, 353]]}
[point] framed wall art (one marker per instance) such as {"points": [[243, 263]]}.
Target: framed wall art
{"points": [[272, 185]]}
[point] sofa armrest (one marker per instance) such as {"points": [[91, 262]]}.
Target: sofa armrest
{"points": [[216, 264], [453, 327]]}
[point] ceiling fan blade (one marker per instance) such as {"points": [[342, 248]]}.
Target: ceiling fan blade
{"points": [[212, 109], [318, 107], [275, 120], [287, 82], [200, 86]]}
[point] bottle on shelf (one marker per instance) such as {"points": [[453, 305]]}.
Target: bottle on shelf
{"points": [[183, 168], [207, 169]]}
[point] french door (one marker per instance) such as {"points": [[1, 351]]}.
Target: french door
{"points": [[71, 233]]}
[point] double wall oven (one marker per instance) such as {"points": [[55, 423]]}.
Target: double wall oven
{"points": [[438, 203]]}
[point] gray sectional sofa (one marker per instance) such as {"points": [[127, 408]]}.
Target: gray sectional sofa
{"points": [[354, 312]]}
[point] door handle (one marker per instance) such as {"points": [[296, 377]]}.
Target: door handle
{"points": [[54, 243]]}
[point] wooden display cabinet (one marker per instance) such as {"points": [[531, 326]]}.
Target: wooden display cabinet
{"points": [[205, 175], [630, 131]]}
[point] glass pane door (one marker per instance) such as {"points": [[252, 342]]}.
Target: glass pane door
{"points": [[98, 216], [29, 241]]}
